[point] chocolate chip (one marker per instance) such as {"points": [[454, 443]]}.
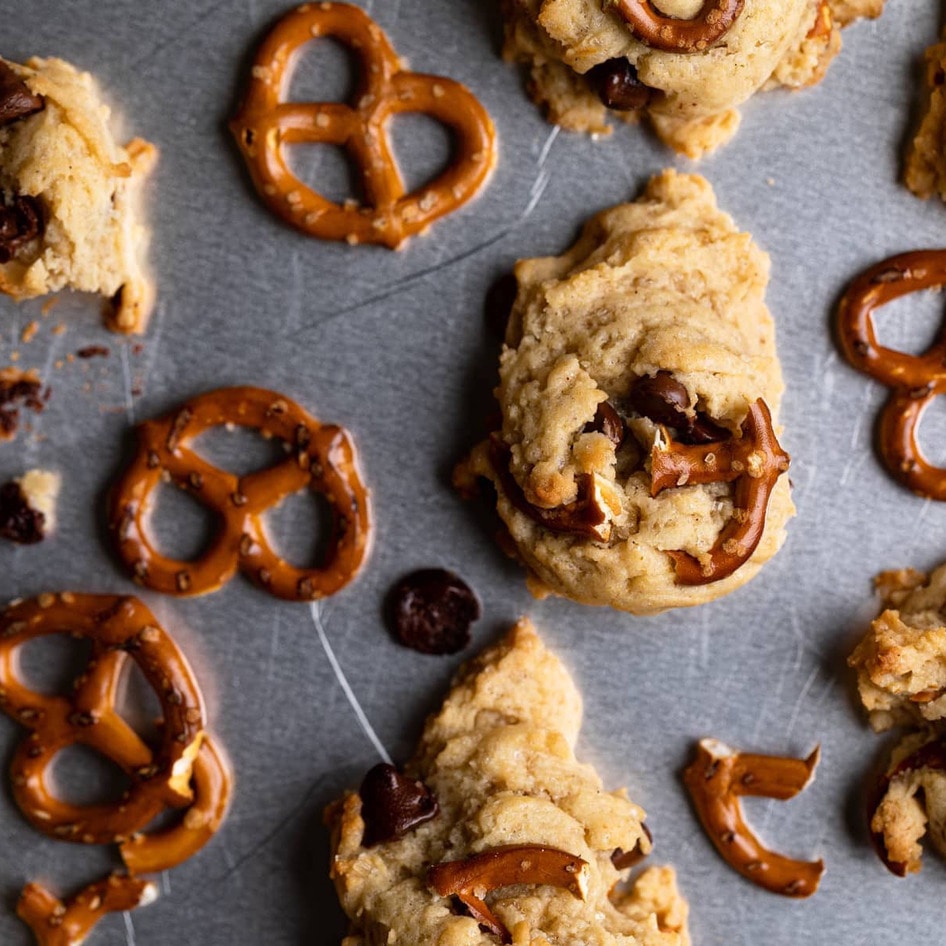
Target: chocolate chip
{"points": [[393, 804], [20, 222], [608, 422], [16, 100], [93, 351], [664, 400], [500, 298], [431, 611], [622, 859], [17, 389], [19, 521], [618, 86]]}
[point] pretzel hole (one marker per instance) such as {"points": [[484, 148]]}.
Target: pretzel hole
{"points": [[932, 431], [424, 148], [50, 664], [181, 528], [326, 71], [80, 776], [239, 450], [911, 323], [138, 704], [300, 528], [328, 170]]}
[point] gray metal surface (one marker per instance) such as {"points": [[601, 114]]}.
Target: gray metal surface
{"points": [[393, 346]]}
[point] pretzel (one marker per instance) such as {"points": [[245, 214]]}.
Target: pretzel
{"points": [[266, 123], [717, 778], [55, 923], [914, 380], [754, 462], [470, 880], [119, 629], [671, 34], [321, 458]]}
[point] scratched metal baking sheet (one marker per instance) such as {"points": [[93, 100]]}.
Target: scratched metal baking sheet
{"points": [[393, 346]]}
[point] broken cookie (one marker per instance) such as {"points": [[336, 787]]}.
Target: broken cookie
{"points": [[901, 678], [685, 65], [69, 207], [925, 172], [638, 463], [515, 837], [28, 506]]}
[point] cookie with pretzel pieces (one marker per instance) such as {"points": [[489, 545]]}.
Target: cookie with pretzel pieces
{"points": [[179, 769], [638, 463], [685, 65], [266, 124], [319, 457]]}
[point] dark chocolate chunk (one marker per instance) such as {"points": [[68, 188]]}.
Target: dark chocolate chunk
{"points": [[431, 611], [20, 222], [664, 400], [19, 521], [608, 422], [93, 351], [618, 86], [393, 804], [623, 859], [500, 298], [16, 100]]}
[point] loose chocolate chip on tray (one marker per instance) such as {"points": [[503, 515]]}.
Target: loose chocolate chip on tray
{"points": [[16, 100], [618, 86], [393, 804], [19, 521], [431, 611]]}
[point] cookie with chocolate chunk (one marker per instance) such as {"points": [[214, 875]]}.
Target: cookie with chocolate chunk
{"points": [[515, 839], [638, 462], [69, 193], [925, 172], [684, 65]]}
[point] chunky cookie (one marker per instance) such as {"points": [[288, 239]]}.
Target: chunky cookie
{"points": [[637, 464], [685, 65], [69, 214], [901, 677], [495, 832], [926, 158]]}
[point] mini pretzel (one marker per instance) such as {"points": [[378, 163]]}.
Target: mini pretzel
{"points": [[320, 458], [714, 19], [471, 879], [914, 380], [717, 778], [55, 923], [119, 629], [754, 462], [266, 123]]}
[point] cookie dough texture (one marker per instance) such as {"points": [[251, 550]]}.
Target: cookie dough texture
{"points": [[88, 187], [925, 173], [901, 678], [499, 757], [663, 284], [773, 43]]}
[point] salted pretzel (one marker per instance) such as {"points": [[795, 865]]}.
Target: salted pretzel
{"points": [[319, 457], [914, 380], [717, 778], [266, 123], [753, 461], [672, 34]]}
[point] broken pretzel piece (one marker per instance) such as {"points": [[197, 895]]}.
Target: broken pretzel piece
{"points": [[755, 462], [471, 879], [673, 34], [717, 778]]}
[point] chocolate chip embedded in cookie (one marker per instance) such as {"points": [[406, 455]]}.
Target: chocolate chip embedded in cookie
{"points": [[521, 847], [638, 463], [684, 65], [69, 194]]}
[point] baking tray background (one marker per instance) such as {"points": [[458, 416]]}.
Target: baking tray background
{"points": [[394, 346]]}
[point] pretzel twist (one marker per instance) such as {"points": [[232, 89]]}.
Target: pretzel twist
{"points": [[754, 462], [266, 123], [915, 380], [321, 458], [119, 629], [671, 34]]}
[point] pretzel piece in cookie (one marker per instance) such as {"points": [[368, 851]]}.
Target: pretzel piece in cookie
{"points": [[717, 778], [319, 457], [659, 31], [266, 123], [915, 380]]}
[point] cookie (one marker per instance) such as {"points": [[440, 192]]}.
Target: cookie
{"points": [[925, 172], [636, 366], [70, 215], [521, 832], [28, 506], [901, 679], [589, 61]]}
